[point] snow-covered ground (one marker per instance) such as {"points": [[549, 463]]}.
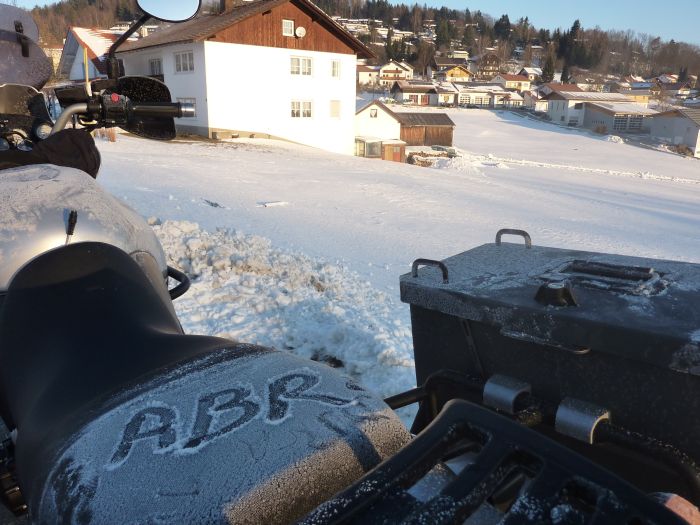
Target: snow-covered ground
{"points": [[301, 249]]}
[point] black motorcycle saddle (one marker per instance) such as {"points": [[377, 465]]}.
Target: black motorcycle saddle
{"points": [[122, 418]]}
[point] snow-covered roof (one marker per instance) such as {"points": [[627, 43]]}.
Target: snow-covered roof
{"points": [[532, 70], [689, 113], [97, 42], [627, 108], [591, 95]]}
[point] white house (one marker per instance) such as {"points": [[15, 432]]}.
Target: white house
{"points": [[678, 126], [223, 65], [393, 71], [532, 73], [512, 82], [377, 121], [97, 43], [568, 107], [415, 93], [367, 75]]}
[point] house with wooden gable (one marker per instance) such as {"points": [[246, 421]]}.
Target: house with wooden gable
{"points": [[383, 133], [454, 74], [488, 65], [512, 82], [223, 63], [393, 71], [679, 126], [532, 73], [416, 93], [442, 63], [78, 40]]}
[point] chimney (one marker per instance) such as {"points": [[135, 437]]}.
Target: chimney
{"points": [[226, 5]]}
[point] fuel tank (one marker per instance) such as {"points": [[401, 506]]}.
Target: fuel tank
{"points": [[35, 209]]}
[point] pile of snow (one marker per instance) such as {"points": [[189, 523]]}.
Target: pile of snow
{"points": [[245, 289], [614, 138]]}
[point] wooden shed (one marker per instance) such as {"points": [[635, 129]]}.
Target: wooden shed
{"points": [[426, 129]]}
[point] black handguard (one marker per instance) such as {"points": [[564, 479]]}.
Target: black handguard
{"points": [[72, 148]]}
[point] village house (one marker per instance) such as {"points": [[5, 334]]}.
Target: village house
{"points": [[415, 93], [680, 126], [512, 82], [535, 100], [441, 63], [567, 107], [312, 59], [617, 117], [383, 133], [454, 74], [97, 43], [393, 71], [378, 132], [640, 96], [367, 75], [548, 89], [532, 73], [487, 66]]}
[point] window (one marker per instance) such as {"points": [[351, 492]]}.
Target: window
{"points": [[635, 123], [335, 109], [373, 149], [192, 101], [301, 109], [155, 65], [578, 105], [335, 68], [184, 62], [373, 113], [300, 66], [620, 122], [287, 27]]}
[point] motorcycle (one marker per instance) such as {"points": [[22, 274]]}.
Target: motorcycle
{"points": [[116, 415]]}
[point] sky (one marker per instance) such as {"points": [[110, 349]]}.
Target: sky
{"points": [[679, 20]]}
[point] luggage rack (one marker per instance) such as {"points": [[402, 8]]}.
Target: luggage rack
{"points": [[514, 475]]}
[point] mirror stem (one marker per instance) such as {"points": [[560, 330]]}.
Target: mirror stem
{"points": [[112, 62]]}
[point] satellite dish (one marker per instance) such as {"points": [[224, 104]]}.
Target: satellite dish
{"points": [[300, 32]]}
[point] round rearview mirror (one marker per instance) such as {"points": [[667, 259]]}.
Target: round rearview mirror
{"points": [[169, 10]]}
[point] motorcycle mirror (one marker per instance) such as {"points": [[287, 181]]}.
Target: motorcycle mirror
{"points": [[169, 11]]}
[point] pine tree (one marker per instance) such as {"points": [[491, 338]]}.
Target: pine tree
{"points": [[565, 73], [548, 70]]}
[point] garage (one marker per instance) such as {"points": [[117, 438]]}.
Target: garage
{"points": [[426, 129]]}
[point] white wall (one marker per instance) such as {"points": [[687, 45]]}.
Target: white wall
{"points": [[191, 84], [676, 130], [384, 126], [250, 88], [565, 108], [77, 70]]}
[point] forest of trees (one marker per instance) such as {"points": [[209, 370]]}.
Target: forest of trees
{"points": [[55, 19], [614, 52], [606, 52]]}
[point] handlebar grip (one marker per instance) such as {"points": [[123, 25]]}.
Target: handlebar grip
{"points": [[163, 110]]}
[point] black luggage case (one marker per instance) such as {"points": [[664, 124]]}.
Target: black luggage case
{"points": [[599, 337]]}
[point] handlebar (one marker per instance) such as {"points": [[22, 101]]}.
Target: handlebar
{"points": [[163, 109], [125, 110]]}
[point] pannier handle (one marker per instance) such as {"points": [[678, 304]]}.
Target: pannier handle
{"points": [[509, 231], [429, 262]]}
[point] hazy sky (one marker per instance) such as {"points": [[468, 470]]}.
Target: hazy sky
{"points": [[677, 19]]}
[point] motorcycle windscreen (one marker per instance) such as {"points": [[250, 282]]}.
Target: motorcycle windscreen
{"points": [[13, 18], [146, 90], [16, 99], [23, 61]]}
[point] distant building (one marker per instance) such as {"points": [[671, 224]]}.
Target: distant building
{"points": [[393, 71], [454, 74], [568, 107], [679, 127], [512, 82], [618, 117], [415, 93], [488, 66], [97, 43], [367, 75], [532, 73]]}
